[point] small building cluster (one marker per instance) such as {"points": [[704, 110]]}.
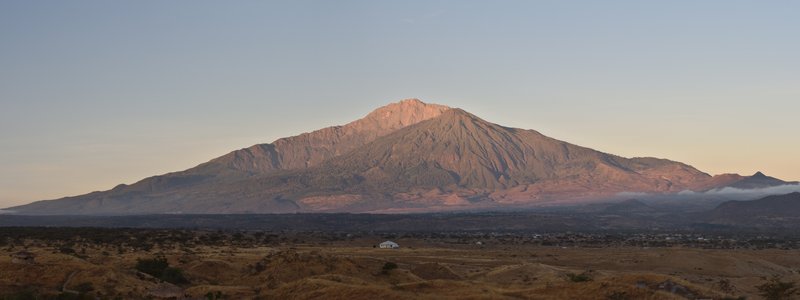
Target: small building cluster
{"points": [[388, 245]]}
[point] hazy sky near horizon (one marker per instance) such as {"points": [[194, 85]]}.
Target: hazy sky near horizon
{"points": [[97, 93]]}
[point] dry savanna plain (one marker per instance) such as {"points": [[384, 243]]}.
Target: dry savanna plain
{"points": [[191, 264]]}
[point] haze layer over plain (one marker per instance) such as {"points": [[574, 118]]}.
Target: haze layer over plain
{"points": [[93, 94]]}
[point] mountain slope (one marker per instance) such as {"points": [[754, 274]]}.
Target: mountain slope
{"points": [[777, 209], [409, 156], [472, 153], [460, 159]]}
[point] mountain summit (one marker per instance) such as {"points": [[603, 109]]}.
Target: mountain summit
{"points": [[403, 157], [312, 148]]}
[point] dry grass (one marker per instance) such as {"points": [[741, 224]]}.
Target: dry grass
{"points": [[422, 273]]}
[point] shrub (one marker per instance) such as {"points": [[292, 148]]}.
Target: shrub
{"points": [[174, 276], [159, 267], [26, 294], [154, 266], [726, 286], [775, 289], [72, 296], [84, 287], [388, 266], [260, 267], [618, 295], [582, 277]]}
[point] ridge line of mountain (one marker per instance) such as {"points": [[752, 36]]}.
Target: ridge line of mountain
{"points": [[407, 156]]}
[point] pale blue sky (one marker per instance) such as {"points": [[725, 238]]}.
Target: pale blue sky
{"points": [[96, 93]]}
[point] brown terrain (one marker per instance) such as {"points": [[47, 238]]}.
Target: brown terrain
{"points": [[404, 157], [420, 269]]}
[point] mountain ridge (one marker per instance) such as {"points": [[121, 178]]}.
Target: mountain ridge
{"points": [[758, 180], [404, 157]]}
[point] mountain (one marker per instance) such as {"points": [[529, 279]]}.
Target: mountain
{"points": [[758, 181], [767, 211], [458, 159], [405, 157]]}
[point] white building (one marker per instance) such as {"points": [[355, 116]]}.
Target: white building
{"points": [[388, 245]]}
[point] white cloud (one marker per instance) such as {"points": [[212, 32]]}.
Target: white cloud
{"points": [[727, 193]]}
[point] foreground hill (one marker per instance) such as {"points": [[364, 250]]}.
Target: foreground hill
{"points": [[405, 157]]}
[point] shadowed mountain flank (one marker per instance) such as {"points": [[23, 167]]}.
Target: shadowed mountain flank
{"points": [[776, 209]]}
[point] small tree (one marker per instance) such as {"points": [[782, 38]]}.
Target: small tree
{"points": [[174, 276], [775, 289], [726, 286], [214, 296], [582, 277], [388, 266], [159, 268], [618, 295], [153, 266], [84, 287], [26, 294]]}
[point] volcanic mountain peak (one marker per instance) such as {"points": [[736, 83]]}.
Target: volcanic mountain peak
{"points": [[309, 149], [400, 114], [759, 175]]}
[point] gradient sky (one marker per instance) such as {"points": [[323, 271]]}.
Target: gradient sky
{"points": [[96, 93]]}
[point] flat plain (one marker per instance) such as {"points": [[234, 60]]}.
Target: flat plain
{"points": [[82, 264]]}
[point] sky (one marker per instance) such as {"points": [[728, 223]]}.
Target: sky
{"points": [[97, 93]]}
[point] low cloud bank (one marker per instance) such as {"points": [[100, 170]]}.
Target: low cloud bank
{"points": [[741, 194], [710, 199]]}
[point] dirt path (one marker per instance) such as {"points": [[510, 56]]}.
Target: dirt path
{"points": [[66, 282]]}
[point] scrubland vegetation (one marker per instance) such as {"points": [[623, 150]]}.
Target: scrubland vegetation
{"points": [[92, 263]]}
